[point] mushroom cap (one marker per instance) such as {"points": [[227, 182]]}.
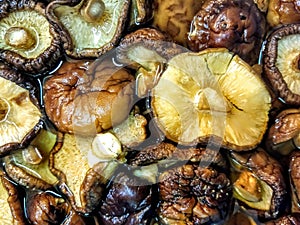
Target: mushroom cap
{"points": [[28, 41], [236, 25], [281, 63], [21, 118], [208, 94], [89, 28]]}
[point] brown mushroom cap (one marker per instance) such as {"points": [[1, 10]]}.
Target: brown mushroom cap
{"points": [[294, 173], [236, 25], [27, 40], [76, 101], [89, 28], [281, 63]]}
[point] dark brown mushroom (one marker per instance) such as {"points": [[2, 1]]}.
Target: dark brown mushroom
{"points": [[292, 219], [191, 194], [128, 201], [294, 173], [78, 100], [141, 12], [281, 63], [259, 183], [46, 208], [20, 115], [236, 25], [28, 41], [11, 206], [283, 12], [284, 134], [89, 28]]}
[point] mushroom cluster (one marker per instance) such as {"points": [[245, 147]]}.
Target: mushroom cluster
{"points": [[149, 112]]}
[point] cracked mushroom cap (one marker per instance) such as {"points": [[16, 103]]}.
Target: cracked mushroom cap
{"points": [[88, 98], [212, 93], [236, 25], [89, 28], [283, 12], [281, 63], [28, 41], [20, 117], [258, 182]]}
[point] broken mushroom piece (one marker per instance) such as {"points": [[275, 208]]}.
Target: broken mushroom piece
{"points": [[174, 17], [283, 12], [83, 185], [237, 25], [281, 63], [212, 96], [259, 183], [29, 167], [284, 134], [89, 28], [20, 117], [88, 101], [10, 202], [141, 12], [191, 194], [28, 41]]}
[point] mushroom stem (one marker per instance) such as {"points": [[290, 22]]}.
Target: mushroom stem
{"points": [[92, 10], [32, 155], [20, 37], [4, 109]]}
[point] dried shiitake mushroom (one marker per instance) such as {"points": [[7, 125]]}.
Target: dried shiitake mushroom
{"points": [[27, 40], [283, 12], [29, 166], [292, 219], [84, 184], [281, 63], [208, 94], [259, 183], [20, 116], [284, 134], [237, 25], [128, 200], [10, 202], [294, 169], [191, 194], [174, 17], [89, 28], [87, 98], [141, 12]]}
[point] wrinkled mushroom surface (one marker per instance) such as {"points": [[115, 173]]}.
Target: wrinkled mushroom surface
{"points": [[291, 219], [28, 41], [87, 102], [294, 173], [236, 25], [89, 28], [281, 63]]}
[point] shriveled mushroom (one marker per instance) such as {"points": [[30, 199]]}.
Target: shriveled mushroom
{"points": [[10, 201], [284, 134], [211, 96], [146, 50], [20, 116], [191, 194], [46, 208], [294, 168], [236, 25], [281, 63], [258, 182], [174, 17], [128, 201], [283, 12], [28, 41], [292, 219], [78, 100], [141, 12], [29, 167], [89, 28]]}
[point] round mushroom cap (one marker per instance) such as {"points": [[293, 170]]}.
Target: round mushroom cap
{"points": [[78, 101], [28, 41], [89, 27], [208, 94], [236, 25], [281, 63]]}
